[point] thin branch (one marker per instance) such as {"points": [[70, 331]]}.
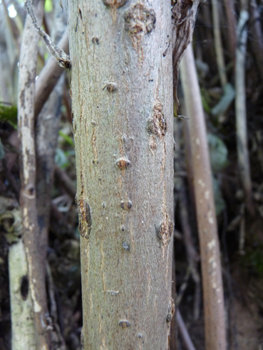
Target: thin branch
{"points": [[184, 332], [48, 77], [191, 252], [62, 58], [257, 40], [36, 272], [218, 44], [47, 127], [231, 27], [183, 15], [241, 116]]}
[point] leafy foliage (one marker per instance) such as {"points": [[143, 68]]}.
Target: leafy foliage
{"points": [[8, 114]]}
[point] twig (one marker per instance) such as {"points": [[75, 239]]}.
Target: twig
{"points": [[197, 300], [183, 15], [257, 40], [241, 117], [242, 235], [191, 253], [218, 44], [232, 331], [62, 58], [183, 286], [231, 27], [184, 332], [56, 334]]}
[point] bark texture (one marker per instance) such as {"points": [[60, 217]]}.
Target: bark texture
{"points": [[123, 129], [23, 328], [183, 20], [31, 233]]}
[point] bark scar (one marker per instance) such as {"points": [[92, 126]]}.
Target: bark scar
{"points": [[85, 221], [157, 124]]}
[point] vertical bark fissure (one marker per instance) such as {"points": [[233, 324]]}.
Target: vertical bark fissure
{"points": [[123, 122]]}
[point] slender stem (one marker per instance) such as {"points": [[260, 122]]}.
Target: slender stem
{"points": [[48, 77], [241, 116], [218, 43], [231, 27], [36, 277], [213, 297], [184, 332], [257, 40], [61, 57]]}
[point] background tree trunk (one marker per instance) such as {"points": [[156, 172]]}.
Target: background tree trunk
{"points": [[198, 157], [123, 129], [28, 203]]}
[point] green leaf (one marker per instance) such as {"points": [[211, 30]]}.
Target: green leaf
{"points": [[9, 114], [48, 6], [67, 138]]}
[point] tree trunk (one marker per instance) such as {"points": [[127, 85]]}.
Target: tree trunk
{"points": [[122, 96]]}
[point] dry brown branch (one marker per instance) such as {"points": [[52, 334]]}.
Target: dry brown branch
{"points": [[231, 27], [215, 332], [183, 15], [36, 274]]}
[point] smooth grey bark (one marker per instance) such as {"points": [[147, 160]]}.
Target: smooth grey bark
{"points": [[122, 96], [26, 88], [213, 295], [23, 328]]}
